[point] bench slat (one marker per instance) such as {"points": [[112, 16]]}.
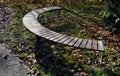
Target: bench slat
{"points": [[36, 26], [38, 32], [73, 41], [100, 46], [68, 40], [42, 33], [52, 36], [89, 44], [49, 34], [78, 43], [57, 39], [83, 44], [94, 44], [62, 40]]}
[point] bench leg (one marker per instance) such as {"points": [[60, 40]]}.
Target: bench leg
{"points": [[38, 40]]}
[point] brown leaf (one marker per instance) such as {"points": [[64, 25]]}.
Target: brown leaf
{"points": [[84, 74]]}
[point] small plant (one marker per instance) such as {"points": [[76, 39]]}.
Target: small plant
{"points": [[67, 48], [36, 67], [69, 59], [23, 56], [97, 72]]}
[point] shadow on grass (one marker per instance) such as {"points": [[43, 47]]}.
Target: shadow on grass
{"points": [[53, 64], [50, 64]]}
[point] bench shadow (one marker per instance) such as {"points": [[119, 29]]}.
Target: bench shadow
{"points": [[48, 61]]}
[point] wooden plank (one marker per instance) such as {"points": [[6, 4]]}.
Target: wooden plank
{"points": [[38, 32], [94, 44], [31, 14], [29, 26], [56, 40], [52, 38], [100, 45], [40, 29], [46, 35], [35, 14], [50, 8], [26, 23], [78, 43], [89, 44], [41, 32], [28, 15], [39, 11], [65, 38], [30, 20], [27, 19], [49, 34], [83, 44], [36, 27], [52, 35], [68, 40], [73, 42], [34, 22]]}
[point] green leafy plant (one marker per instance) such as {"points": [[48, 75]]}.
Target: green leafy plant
{"points": [[105, 13], [110, 13], [67, 48], [23, 55]]}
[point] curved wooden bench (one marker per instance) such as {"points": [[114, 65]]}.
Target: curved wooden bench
{"points": [[31, 22]]}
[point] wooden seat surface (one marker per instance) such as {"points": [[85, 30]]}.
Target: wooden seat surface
{"points": [[31, 23]]}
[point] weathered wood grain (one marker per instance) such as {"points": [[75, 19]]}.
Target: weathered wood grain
{"points": [[53, 35], [68, 40], [89, 44], [94, 45], [57, 39], [73, 41], [65, 38], [100, 45], [49, 34], [78, 43], [83, 44]]}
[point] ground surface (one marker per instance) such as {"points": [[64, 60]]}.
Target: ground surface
{"points": [[10, 65]]}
